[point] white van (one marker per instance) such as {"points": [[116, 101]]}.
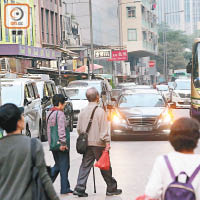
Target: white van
{"points": [[23, 93]]}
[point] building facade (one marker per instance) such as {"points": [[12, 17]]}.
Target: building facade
{"points": [[179, 14], [139, 35]]}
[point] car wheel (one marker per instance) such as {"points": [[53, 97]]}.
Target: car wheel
{"points": [[71, 124], [43, 132], [28, 132]]}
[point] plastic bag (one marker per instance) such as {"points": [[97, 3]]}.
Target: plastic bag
{"points": [[104, 162]]}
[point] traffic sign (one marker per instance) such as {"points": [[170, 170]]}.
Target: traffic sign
{"points": [[152, 63], [102, 53]]}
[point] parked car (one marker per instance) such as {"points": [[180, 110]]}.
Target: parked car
{"points": [[141, 114], [165, 91], [68, 110], [181, 93], [47, 90], [78, 99], [103, 87], [24, 93], [125, 85]]}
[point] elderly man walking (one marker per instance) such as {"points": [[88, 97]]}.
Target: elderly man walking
{"points": [[98, 141]]}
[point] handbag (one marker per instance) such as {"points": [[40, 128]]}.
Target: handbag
{"points": [[82, 140], [38, 191], [55, 142], [104, 161]]}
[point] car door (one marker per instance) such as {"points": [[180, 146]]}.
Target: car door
{"points": [[28, 109]]}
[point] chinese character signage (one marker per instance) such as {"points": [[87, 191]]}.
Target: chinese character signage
{"points": [[17, 16], [119, 55], [102, 53]]}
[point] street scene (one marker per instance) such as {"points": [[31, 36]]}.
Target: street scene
{"points": [[99, 99]]}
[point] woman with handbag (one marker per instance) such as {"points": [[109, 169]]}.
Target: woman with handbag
{"points": [[16, 165], [59, 142]]}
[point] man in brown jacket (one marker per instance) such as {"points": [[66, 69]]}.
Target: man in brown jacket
{"points": [[98, 141]]}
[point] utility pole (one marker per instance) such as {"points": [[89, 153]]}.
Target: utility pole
{"points": [[91, 37], [59, 70]]}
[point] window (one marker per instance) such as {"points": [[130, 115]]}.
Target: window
{"points": [[132, 34], [50, 90], [61, 27], [42, 22], [7, 35], [47, 26], [56, 22], [131, 12], [31, 92], [52, 28]]}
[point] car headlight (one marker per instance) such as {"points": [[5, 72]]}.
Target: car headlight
{"points": [[167, 117], [117, 119]]}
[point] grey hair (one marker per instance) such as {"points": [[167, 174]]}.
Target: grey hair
{"points": [[92, 94]]}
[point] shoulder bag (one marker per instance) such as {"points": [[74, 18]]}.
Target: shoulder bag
{"points": [[82, 140], [38, 192]]}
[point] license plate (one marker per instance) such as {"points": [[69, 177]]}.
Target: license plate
{"points": [[142, 128]]}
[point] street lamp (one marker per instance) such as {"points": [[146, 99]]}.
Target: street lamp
{"points": [[165, 44]]}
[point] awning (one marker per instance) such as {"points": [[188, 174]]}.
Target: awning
{"points": [[85, 68], [29, 52]]}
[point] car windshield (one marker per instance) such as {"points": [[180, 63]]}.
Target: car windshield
{"points": [[183, 85], [97, 85], [76, 94], [11, 94], [162, 87], [141, 100]]}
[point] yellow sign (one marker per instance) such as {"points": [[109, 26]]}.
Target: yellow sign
{"points": [[74, 65]]}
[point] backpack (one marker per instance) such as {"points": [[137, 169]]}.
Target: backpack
{"points": [[180, 190], [38, 191]]}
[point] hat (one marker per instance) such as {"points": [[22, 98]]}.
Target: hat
{"points": [[8, 112]]}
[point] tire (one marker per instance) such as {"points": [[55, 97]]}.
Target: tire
{"points": [[28, 132], [43, 132], [71, 126]]}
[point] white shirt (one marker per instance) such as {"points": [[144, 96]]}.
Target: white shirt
{"points": [[160, 177]]}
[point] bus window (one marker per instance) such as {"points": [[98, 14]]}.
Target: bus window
{"points": [[196, 67]]}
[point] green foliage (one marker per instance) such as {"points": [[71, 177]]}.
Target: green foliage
{"points": [[178, 46]]}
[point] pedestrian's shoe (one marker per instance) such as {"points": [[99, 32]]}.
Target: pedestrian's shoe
{"points": [[80, 194], [115, 192]]}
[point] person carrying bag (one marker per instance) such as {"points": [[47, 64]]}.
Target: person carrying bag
{"points": [[59, 142]]}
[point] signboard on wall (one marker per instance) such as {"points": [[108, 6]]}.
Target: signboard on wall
{"points": [[102, 54], [17, 16], [120, 55]]}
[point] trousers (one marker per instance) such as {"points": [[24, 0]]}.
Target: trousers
{"points": [[62, 166], [93, 153]]}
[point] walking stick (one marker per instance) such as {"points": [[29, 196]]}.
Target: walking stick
{"points": [[95, 191]]}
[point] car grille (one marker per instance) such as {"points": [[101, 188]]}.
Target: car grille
{"points": [[142, 121], [182, 95]]}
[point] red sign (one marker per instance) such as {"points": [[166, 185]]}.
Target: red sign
{"points": [[119, 55], [152, 63]]}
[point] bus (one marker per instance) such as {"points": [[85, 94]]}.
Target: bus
{"points": [[193, 67], [180, 73]]}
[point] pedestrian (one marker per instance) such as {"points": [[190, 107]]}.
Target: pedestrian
{"points": [[15, 158], [98, 141], [184, 138], [61, 156]]}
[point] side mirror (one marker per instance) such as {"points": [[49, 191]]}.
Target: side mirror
{"points": [[66, 98], [113, 99], [189, 66], [27, 102], [172, 105], [103, 93], [110, 107], [45, 99]]}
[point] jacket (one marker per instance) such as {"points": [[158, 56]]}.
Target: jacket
{"points": [[99, 132], [15, 168], [62, 125]]}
